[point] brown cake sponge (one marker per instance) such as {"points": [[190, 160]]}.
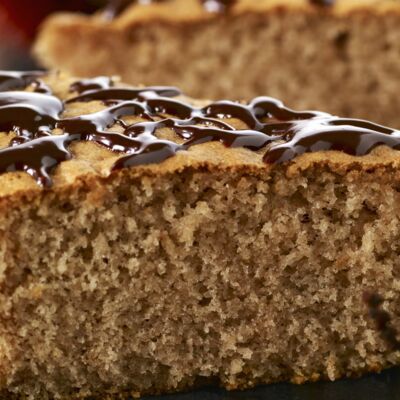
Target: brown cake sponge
{"points": [[210, 266]]}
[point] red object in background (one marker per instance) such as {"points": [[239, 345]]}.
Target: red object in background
{"points": [[26, 15]]}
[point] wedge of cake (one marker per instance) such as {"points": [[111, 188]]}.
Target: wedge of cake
{"points": [[340, 56], [151, 242]]}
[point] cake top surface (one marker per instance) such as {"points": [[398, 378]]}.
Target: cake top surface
{"points": [[122, 13], [57, 130]]}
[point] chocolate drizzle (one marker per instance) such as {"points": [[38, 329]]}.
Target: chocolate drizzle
{"points": [[88, 85], [110, 94], [37, 157], [268, 124], [28, 113], [11, 80], [351, 136], [323, 3]]}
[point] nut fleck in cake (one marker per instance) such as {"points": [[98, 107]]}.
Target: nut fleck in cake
{"points": [[340, 56], [151, 242]]}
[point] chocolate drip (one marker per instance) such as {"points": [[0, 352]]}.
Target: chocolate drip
{"points": [[92, 123], [124, 93], [28, 113], [11, 80], [139, 140], [88, 85], [147, 149], [382, 320], [37, 157], [323, 3], [92, 127], [40, 87], [283, 132], [152, 149], [355, 137]]}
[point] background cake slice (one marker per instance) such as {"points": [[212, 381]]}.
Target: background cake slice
{"points": [[150, 242], [342, 58]]}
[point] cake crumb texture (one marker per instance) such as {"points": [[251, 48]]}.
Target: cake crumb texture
{"points": [[151, 284]]}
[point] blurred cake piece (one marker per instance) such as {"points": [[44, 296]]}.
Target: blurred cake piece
{"points": [[340, 56]]}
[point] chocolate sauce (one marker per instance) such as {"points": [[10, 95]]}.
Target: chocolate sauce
{"points": [[40, 87], [110, 94], [323, 3], [37, 157], [355, 137], [268, 124], [156, 150], [87, 85], [28, 113], [382, 320], [11, 80]]}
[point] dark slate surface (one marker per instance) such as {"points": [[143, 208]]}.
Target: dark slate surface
{"points": [[384, 386]]}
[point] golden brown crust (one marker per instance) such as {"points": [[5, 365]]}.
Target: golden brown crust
{"points": [[192, 10], [91, 163]]}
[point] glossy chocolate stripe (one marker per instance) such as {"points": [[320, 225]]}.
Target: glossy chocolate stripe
{"points": [[123, 93], [28, 113], [265, 123], [87, 85], [17, 79], [37, 157]]}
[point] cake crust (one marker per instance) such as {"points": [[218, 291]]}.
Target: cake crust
{"points": [[91, 162]]}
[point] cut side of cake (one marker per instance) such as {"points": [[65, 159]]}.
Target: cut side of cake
{"points": [[342, 57], [150, 242]]}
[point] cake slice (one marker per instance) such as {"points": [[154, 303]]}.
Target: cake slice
{"points": [[151, 242], [340, 56]]}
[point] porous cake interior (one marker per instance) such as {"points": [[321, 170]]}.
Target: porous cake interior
{"points": [[155, 283], [344, 64]]}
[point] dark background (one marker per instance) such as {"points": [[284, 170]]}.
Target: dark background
{"points": [[384, 386], [19, 21], [18, 24]]}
